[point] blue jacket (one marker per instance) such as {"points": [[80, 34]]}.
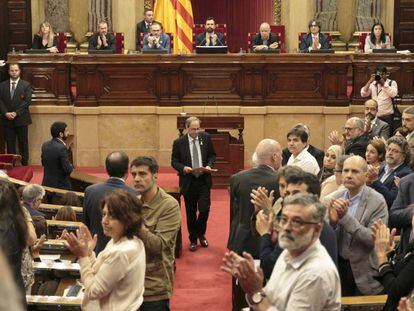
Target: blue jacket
{"points": [[165, 44]]}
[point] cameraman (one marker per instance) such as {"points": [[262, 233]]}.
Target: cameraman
{"points": [[383, 90]]}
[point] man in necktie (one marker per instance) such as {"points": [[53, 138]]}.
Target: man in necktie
{"points": [[210, 37], [15, 98], [314, 39], [189, 152], [144, 27]]}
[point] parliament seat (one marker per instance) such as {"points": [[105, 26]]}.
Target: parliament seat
{"points": [[199, 28], [63, 42], [119, 41], [364, 301], [279, 30], [50, 210]]}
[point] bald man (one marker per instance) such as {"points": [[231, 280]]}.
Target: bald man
{"points": [[265, 40], [268, 160], [374, 126], [352, 211]]}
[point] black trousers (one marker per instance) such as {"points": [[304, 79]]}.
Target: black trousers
{"points": [[348, 285], [21, 133], [238, 296], [197, 199]]}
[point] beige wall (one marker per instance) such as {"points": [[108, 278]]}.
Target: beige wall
{"points": [[151, 130]]}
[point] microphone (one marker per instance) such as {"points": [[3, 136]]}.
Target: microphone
{"points": [[216, 102]]}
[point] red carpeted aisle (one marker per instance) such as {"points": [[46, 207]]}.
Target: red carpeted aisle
{"points": [[199, 283]]}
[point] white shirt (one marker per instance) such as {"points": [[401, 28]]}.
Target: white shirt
{"points": [[383, 95], [197, 142], [305, 161], [307, 282], [114, 280]]}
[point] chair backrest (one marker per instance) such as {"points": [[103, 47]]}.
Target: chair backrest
{"points": [[301, 34], [63, 42], [170, 34], [119, 41], [363, 37], [279, 30], [199, 28]]}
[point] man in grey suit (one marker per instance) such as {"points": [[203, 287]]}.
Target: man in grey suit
{"points": [[156, 40], [116, 164], [374, 126], [352, 211], [15, 98]]}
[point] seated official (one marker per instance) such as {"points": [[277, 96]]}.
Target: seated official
{"points": [[210, 37], [314, 40], [46, 39], [102, 40], [377, 39], [265, 40], [157, 40], [115, 279], [144, 26]]}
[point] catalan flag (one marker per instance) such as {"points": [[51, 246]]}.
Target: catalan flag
{"points": [[176, 17]]}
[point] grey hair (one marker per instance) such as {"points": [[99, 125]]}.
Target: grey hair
{"points": [[409, 110], [359, 123], [32, 192], [191, 119], [402, 143], [302, 126], [318, 210]]}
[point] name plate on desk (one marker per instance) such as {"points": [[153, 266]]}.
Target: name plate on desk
{"points": [[211, 49]]}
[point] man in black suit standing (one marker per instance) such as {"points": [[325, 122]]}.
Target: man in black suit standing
{"points": [[116, 164], [265, 40], [15, 98], [144, 27], [55, 158], [191, 151], [268, 156], [102, 39], [317, 153], [314, 39], [210, 37]]}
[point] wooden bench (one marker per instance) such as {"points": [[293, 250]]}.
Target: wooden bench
{"points": [[50, 210], [364, 301], [53, 302], [57, 226]]}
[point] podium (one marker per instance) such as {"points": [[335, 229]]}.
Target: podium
{"points": [[229, 149]]}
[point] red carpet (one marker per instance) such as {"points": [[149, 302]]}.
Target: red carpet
{"points": [[199, 283]]}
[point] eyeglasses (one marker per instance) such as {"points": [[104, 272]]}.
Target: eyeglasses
{"points": [[393, 150], [296, 223], [349, 128]]}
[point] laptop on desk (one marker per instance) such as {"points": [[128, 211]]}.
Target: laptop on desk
{"points": [[322, 51], [101, 52], [211, 49], [37, 51], [384, 51]]}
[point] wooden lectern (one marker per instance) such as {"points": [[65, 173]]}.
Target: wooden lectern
{"points": [[229, 150]]}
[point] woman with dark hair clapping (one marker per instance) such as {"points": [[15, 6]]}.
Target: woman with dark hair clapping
{"points": [[377, 39], [115, 279]]}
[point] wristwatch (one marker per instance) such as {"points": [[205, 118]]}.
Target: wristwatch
{"points": [[258, 297]]}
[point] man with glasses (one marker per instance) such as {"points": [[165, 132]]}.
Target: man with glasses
{"points": [[397, 158], [156, 39], [354, 139], [314, 40], [352, 211], [304, 277]]}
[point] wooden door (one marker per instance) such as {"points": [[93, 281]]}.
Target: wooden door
{"points": [[404, 24]]}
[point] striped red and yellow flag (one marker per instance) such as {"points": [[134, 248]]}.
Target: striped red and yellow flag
{"points": [[176, 17]]}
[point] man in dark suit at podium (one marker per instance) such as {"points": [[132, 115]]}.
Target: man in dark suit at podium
{"points": [[55, 158], [15, 98], [315, 39], [265, 39], [102, 39], [116, 165], [210, 37], [144, 27], [191, 151]]}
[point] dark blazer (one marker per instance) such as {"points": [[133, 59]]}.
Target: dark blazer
{"points": [[38, 44], [57, 167], [388, 188], [269, 252], [201, 39], [402, 210], [92, 214], [181, 157], [242, 183], [257, 39], [93, 42], [358, 146], [306, 42], [142, 28], [397, 278], [317, 154], [379, 128], [19, 103]]}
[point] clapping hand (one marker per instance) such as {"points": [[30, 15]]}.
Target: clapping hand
{"points": [[335, 138], [274, 45], [264, 223], [404, 305], [372, 174], [82, 244], [261, 199], [37, 246], [384, 240]]}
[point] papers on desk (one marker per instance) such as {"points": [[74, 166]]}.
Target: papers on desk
{"points": [[404, 52], [65, 266], [49, 258], [204, 170]]}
